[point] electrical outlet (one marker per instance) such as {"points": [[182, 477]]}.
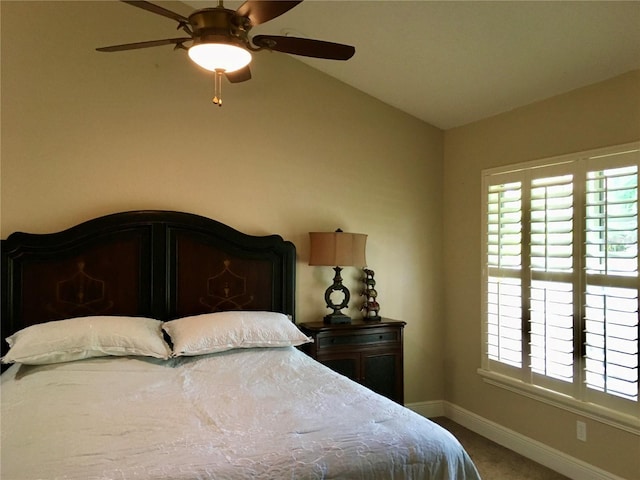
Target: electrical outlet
{"points": [[581, 431]]}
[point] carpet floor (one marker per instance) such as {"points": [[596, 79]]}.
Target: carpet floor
{"points": [[495, 462]]}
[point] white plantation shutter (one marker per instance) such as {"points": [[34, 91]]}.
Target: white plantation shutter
{"points": [[611, 278], [560, 277], [552, 274], [504, 239]]}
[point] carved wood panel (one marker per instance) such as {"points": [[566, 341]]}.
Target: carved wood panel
{"points": [[211, 280]]}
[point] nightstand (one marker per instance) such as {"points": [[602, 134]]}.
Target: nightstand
{"points": [[369, 353]]}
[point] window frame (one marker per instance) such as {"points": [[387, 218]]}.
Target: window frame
{"points": [[575, 396]]}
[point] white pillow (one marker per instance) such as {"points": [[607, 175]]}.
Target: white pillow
{"points": [[217, 332], [84, 337]]}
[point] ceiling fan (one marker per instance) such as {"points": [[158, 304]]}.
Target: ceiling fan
{"points": [[218, 38]]}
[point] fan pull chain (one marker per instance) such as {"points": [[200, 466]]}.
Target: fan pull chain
{"points": [[217, 87]]}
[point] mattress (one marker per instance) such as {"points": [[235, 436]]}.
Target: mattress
{"points": [[261, 413]]}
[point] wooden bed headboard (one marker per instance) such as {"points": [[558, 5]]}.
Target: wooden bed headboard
{"points": [[158, 264]]}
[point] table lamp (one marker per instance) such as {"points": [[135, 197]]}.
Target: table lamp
{"points": [[337, 249]]}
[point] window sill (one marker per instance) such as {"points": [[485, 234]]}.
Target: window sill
{"points": [[604, 415]]}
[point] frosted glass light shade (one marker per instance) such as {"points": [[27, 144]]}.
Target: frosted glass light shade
{"points": [[219, 56]]}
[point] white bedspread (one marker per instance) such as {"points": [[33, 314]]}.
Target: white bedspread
{"points": [[270, 413]]}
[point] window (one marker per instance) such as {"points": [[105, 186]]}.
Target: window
{"points": [[560, 280]]}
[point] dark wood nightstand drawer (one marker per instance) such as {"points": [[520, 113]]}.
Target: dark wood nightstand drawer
{"points": [[327, 341]]}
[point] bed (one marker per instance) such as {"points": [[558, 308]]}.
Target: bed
{"points": [[162, 345]]}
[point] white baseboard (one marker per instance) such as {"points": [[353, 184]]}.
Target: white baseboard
{"points": [[428, 409], [525, 446]]}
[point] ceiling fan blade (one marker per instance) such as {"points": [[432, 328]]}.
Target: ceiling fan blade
{"points": [[150, 7], [238, 76], [305, 47], [151, 43], [260, 11]]}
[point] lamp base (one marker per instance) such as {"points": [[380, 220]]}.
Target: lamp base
{"points": [[337, 318]]}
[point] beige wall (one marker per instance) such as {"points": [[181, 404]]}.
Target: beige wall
{"points": [[600, 115], [291, 151]]}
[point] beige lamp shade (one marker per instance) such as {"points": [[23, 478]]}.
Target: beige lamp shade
{"points": [[338, 249]]}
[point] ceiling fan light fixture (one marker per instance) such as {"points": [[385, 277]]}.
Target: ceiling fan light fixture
{"points": [[220, 56], [221, 43]]}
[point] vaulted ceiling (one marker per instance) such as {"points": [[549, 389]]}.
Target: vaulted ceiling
{"points": [[454, 62]]}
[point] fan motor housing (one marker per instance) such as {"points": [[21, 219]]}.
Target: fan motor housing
{"points": [[219, 25]]}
